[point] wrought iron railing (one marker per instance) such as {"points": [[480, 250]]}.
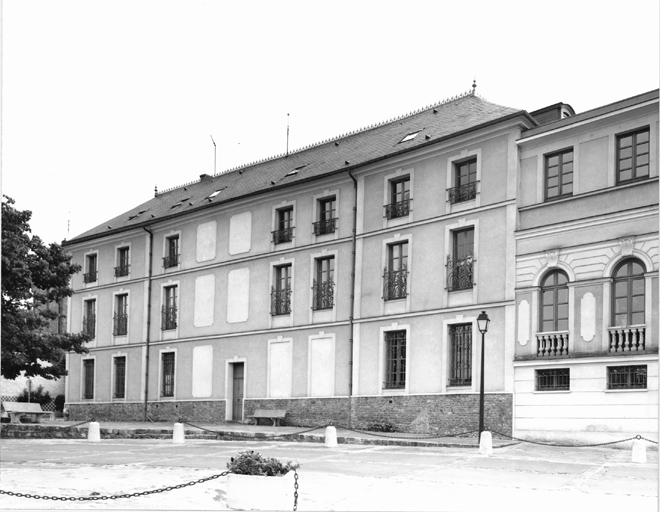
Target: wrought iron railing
{"points": [[549, 344], [631, 338], [395, 283], [282, 236], [460, 273], [398, 209], [461, 355], [627, 377], [171, 261], [323, 295], [280, 301], [324, 227], [90, 277], [121, 270], [554, 379], [462, 193], [120, 322], [89, 325], [168, 318], [395, 370]]}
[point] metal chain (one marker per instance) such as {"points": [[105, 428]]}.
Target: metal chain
{"points": [[265, 436], [559, 445], [78, 424], [295, 492], [414, 437]]}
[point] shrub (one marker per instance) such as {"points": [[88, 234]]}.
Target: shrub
{"points": [[59, 402], [252, 463], [37, 396], [381, 426]]}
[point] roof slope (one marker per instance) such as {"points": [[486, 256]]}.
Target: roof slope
{"points": [[433, 123]]}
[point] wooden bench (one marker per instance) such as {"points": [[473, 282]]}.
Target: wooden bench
{"points": [[18, 409], [270, 414]]}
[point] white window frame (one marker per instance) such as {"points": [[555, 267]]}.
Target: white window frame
{"points": [[124, 337], [82, 379], [170, 333], [452, 161], [324, 315], [123, 245], [326, 194], [396, 306], [94, 341], [387, 196], [166, 237], [476, 348], [94, 252], [281, 320], [113, 377], [160, 373], [275, 222], [466, 298], [382, 354]]}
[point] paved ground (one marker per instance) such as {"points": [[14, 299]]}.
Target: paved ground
{"points": [[348, 477]]}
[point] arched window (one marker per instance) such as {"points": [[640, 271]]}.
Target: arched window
{"points": [[628, 294], [554, 302]]}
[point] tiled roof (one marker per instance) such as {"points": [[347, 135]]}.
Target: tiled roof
{"points": [[348, 151]]}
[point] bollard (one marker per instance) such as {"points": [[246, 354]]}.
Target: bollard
{"points": [[639, 451], [486, 443], [178, 436], [330, 437], [94, 432]]}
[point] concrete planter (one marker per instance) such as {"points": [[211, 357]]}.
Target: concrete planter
{"points": [[248, 492]]}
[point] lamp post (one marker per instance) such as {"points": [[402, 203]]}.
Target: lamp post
{"points": [[482, 323]]}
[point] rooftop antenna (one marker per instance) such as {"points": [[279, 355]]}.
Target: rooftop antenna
{"points": [[215, 148], [68, 226], [287, 134]]}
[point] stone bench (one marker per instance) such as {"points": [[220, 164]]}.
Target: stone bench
{"points": [[270, 414], [17, 409]]}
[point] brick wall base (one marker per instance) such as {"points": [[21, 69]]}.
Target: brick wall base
{"points": [[202, 411]]}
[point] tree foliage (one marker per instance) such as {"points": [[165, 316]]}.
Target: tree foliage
{"points": [[35, 278]]}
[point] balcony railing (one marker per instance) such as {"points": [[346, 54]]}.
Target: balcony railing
{"points": [[395, 283], [171, 261], [552, 344], [462, 193], [631, 338], [282, 236], [89, 325], [90, 277], [168, 318], [121, 270], [324, 227], [280, 301], [120, 324], [398, 209], [460, 273], [323, 295]]}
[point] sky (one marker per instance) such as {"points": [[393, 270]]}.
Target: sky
{"points": [[104, 100]]}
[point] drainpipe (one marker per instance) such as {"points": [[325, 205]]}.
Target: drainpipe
{"points": [[350, 364], [146, 367]]}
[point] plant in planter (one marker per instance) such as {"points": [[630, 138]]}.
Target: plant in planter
{"points": [[256, 482]]}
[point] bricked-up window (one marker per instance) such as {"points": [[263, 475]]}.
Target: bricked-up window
{"points": [[395, 360], [554, 302], [120, 377], [167, 388], [559, 174], [628, 294], [460, 370], [91, 267], [399, 198], [465, 182], [626, 377], [556, 379], [88, 379], [632, 155], [172, 252]]}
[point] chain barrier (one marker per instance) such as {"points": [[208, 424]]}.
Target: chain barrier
{"points": [[412, 437], [559, 445], [264, 436], [295, 490], [78, 424]]}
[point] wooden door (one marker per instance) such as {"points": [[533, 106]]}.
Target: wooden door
{"points": [[237, 393]]}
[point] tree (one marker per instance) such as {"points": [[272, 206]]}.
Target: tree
{"points": [[35, 278]]}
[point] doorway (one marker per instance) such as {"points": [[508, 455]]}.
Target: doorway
{"points": [[237, 394]]}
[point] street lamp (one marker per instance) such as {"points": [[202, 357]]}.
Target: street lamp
{"points": [[482, 324]]}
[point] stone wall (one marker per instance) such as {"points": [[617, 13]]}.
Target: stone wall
{"points": [[202, 411], [305, 412]]}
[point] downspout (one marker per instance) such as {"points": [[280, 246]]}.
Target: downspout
{"points": [[350, 363], [146, 367]]}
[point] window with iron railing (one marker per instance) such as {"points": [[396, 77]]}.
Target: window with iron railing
{"points": [[92, 270], [167, 374], [399, 205], [89, 318], [395, 275], [120, 320], [284, 231], [172, 252], [169, 310], [119, 390], [627, 377], [556, 379], [395, 360], [324, 286], [281, 293], [465, 182], [460, 264], [327, 222], [122, 269], [460, 370], [88, 379]]}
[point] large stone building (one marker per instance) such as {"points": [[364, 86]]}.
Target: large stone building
{"points": [[342, 282]]}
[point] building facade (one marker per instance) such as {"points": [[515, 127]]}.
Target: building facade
{"points": [[341, 282]]}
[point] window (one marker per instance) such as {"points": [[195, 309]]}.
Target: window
{"points": [[460, 264], [410, 136], [460, 355], [89, 318], [172, 252], [399, 198], [559, 174], [122, 259], [121, 315], [632, 155], [626, 377], [557, 379], [554, 302], [395, 360], [395, 276], [628, 294], [281, 292], [465, 180], [119, 390], [92, 269], [169, 309], [167, 388], [88, 379], [284, 225], [327, 222], [324, 286]]}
